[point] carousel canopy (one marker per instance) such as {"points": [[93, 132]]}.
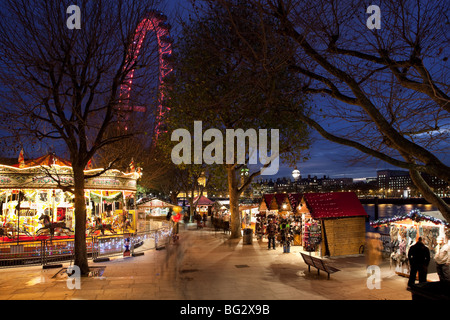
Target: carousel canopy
{"points": [[334, 205], [46, 160], [51, 172]]}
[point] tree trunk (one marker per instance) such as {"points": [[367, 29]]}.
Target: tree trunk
{"points": [[429, 195], [80, 259], [235, 221], [173, 198]]}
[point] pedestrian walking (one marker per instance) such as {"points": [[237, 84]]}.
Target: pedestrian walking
{"points": [[442, 259], [186, 220], [271, 231], [285, 236], [374, 248], [419, 258], [205, 218]]}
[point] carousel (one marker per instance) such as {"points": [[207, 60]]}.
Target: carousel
{"points": [[33, 204]]}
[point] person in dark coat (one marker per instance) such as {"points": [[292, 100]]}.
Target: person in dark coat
{"points": [[271, 232], [419, 258]]}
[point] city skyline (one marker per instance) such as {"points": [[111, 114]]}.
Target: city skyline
{"points": [[333, 160]]}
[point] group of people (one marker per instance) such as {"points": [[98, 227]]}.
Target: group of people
{"points": [[419, 259], [282, 231]]}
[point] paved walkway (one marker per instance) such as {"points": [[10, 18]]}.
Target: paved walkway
{"points": [[206, 265]]}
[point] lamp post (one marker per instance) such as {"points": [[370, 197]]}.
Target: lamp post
{"points": [[296, 176]]}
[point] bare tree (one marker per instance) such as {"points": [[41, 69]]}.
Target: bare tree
{"points": [[64, 85], [382, 91], [231, 81]]}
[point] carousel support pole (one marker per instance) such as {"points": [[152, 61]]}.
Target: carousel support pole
{"points": [[18, 214]]}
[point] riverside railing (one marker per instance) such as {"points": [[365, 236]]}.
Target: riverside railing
{"points": [[51, 251]]}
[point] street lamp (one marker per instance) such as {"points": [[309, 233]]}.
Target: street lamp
{"points": [[296, 176]]}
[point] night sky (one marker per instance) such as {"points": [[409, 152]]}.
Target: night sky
{"points": [[325, 158]]}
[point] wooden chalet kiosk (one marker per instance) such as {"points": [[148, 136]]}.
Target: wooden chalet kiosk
{"points": [[109, 198], [333, 224], [281, 206], [404, 230]]}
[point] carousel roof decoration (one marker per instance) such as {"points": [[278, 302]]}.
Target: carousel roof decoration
{"points": [[51, 171], [414, 214], [46, 160], [334, 205]]}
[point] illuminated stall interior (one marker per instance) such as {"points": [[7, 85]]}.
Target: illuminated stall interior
{"points": [[404, 230], [203, 205], [29, 193], [278, 207]]}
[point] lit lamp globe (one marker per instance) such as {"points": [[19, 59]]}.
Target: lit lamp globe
{"points": [[296, 174]]}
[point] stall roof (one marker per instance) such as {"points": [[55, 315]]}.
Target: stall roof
{"points": [[415, 214], [334, 205], [222, 204], [280, 198], [295, 199], [155, 203], [203, 201], [267, 198]]}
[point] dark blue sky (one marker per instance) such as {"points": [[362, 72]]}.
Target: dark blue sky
{"points": [[325, 157]]}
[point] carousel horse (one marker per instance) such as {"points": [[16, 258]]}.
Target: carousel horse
{"points": [[5, 232], [101, 227], [51, 226], [124, 223]]}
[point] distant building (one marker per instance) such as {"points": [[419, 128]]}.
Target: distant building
{"points": [[393, 179], [400, 180], [337, 182], [390, 183]]}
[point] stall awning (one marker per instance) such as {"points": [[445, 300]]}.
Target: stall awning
{"points": [[334, 205], [203, 201], [295, 199], [155, 203]]}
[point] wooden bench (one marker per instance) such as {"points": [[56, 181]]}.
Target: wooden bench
{"points": [[319, 264]]}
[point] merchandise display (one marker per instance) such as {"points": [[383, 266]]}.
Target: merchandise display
{"points": [[404, 232]]}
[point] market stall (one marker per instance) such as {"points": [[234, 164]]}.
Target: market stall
{"points": [[32, 201], [280, 206], [153, 208], [404, 230], [220, 209], [249, 214], [152, 214], [333, 224], [203, 205]]}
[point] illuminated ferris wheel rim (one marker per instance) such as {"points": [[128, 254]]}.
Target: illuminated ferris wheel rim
{"points": [[156, 22]]}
